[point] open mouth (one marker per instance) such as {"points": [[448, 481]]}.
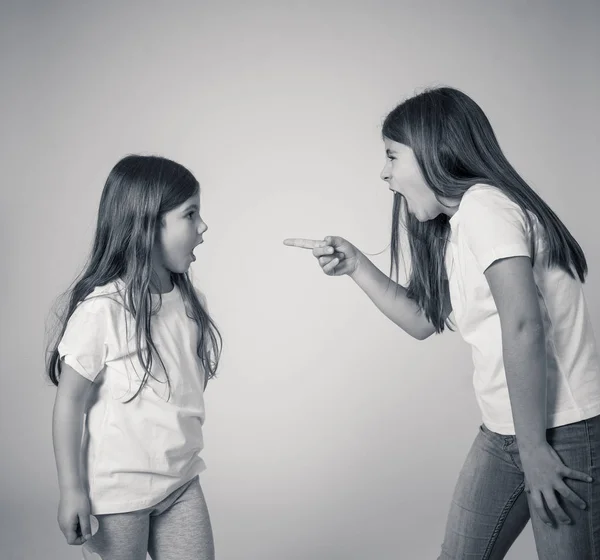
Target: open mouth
{"points": [[192, 256]]}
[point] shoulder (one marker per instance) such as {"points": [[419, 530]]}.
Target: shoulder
{"points": [[108, 299], [492, 225], [484, 204], [483, 196]]}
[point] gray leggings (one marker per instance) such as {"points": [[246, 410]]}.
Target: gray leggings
{"points": [[178, 528]]}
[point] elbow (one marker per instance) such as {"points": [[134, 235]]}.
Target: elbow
{"points": [[523, 334], [523, 327], [423, 334]]}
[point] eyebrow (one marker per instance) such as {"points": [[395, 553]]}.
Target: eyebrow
{"points": [[388, 152], [190, 207]]}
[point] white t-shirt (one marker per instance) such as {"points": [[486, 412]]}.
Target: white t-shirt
{"points": [[489, 226], [136, 454]]}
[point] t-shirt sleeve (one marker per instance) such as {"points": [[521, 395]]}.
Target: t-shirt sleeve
{"points": [[494, 227], [84, 344]]}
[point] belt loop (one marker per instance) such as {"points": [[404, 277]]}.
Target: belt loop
{"points": [[508, 440]]}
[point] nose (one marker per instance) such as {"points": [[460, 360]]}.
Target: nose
{"points": [[385, 174], [202, 228]]}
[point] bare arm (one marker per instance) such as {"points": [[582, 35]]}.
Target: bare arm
{"points": [[72, 402], [337, 256], [390, 298], [523, 344], [512, 285]]}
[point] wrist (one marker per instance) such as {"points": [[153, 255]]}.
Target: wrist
{"points": [[532, 445], [360, 264], [73, 486], [73, 494]]}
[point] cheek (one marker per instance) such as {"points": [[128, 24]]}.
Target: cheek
{"points": [[188, 236], [404, 174], [175, 240]]}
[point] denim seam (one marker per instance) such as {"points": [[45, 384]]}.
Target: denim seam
{"points": [[512, 460], [588, 428], [503, 515]]}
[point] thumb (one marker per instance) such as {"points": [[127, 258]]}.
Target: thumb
{"points": [[335, 241], [84, 523], [555, 455]]}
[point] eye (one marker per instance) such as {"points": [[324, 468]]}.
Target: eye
{"points": [[190, 215]]}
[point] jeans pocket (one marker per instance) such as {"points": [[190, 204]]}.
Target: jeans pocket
{"points": [[484, 429], [501, 440]]}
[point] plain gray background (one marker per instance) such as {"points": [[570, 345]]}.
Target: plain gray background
{"points": [[330, 433]]}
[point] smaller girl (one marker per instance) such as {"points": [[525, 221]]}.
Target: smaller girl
{"points": [[136, 349]]}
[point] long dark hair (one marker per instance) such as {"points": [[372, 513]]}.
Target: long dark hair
{"points": [[456, 148], [138, 192]]}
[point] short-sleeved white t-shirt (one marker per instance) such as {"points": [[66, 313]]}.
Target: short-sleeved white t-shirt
{"points": [[489, 226], [137, 453]]}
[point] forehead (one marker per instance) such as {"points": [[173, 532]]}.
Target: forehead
{"points": [[393, 146], [193, 200]]}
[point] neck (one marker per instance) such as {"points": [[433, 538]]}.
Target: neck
{"points": [[161, 281], [449, 206]]}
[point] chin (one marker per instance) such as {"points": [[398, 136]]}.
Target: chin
{"points": [[423, 217], [415, 216], [180, 269]]}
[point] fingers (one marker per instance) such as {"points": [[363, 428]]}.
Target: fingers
{"points": [[326, 259], [303, 243], [538, 503], [334, 240], [79, 530], [568, 494], [321, 251], [576, 475], [86, 529], [329, 268], [550, 499], [553, 505], [71, 534], [567, 472], [327, 250], [325, 254]]}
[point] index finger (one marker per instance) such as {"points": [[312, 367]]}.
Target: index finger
{"points": [[304, 243]]}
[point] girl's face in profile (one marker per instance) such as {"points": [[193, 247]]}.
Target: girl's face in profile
{"points": [[181, 231], [403, 175]]}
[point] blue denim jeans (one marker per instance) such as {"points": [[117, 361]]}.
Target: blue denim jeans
{"points": [[490, 507]]}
